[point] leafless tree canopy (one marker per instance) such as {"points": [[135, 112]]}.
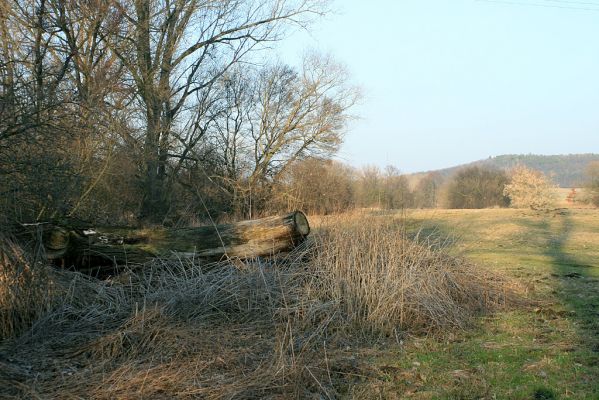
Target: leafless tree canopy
{"points": [[477, 187], [125, 109]]}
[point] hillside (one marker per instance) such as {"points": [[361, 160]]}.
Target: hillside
{"points": [[567, 170]]}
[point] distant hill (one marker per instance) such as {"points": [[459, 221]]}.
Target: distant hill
{"points": [[567, 170]]}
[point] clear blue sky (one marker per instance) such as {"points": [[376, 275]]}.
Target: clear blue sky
{"points": [[452, 81]]}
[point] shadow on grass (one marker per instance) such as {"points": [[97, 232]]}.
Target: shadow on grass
{"points": [[564, 334], [431, 233], [575, 286]]}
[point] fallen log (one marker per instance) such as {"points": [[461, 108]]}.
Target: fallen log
{"points": [[94, 248]]}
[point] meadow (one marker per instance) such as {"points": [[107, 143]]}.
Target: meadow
{"points": [[547, 349], [423, 304]]}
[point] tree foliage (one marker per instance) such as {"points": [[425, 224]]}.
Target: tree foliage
{"points": [[529, 188]]}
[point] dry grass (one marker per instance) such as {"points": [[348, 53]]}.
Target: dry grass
{"points": [[25, 291], [384, 282], [256, 329]]}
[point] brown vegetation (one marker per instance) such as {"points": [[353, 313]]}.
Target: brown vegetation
{"points": [[258, 329], [129, 111], [25, 288], [477, 187], [387, 283], [146, 113], [592, 183], [530, 189]]}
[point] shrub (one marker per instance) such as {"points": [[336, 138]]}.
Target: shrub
{"points": [[529, 188], [477, 187], [317, 186], [387, 189], [592, 183]]}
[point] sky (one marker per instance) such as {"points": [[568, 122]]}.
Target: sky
{"points": [[446, 82]]}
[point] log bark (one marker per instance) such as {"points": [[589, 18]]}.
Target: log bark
{"points": [[93, 248]]}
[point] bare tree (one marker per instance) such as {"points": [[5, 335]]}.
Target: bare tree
{"points": [[317, 186], [299, 116], [267, 119], [31, 68], [153, 92], [396, 189], [369, 187], [426, 193], [36, 108], [477, 187], [176, 49], [63, 101], [385, 189]]}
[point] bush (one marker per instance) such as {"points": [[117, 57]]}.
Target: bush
{"points": [[477, 187], [592, 183], [317, 186], [387, 189], [529, 188]]}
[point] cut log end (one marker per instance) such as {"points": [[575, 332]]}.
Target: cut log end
{"points": [[301, 223]]}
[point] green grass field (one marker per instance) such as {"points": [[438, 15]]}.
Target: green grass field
{"points": [[547, 349]]}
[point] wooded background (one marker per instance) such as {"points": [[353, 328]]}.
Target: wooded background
{"points": [[177, 111]]}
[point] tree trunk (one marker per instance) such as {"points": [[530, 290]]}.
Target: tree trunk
{"points": [[103, 249]]}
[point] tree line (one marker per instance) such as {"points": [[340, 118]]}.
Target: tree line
{"points": [[167, 111], [566, 170], [329, 187]]}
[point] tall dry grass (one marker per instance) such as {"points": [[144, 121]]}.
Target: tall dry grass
{"points": [[276, 328], [25, 287], [384, 282]]}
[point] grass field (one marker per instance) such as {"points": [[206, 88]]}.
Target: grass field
{"points": [[549, 349], [483, 304]]}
